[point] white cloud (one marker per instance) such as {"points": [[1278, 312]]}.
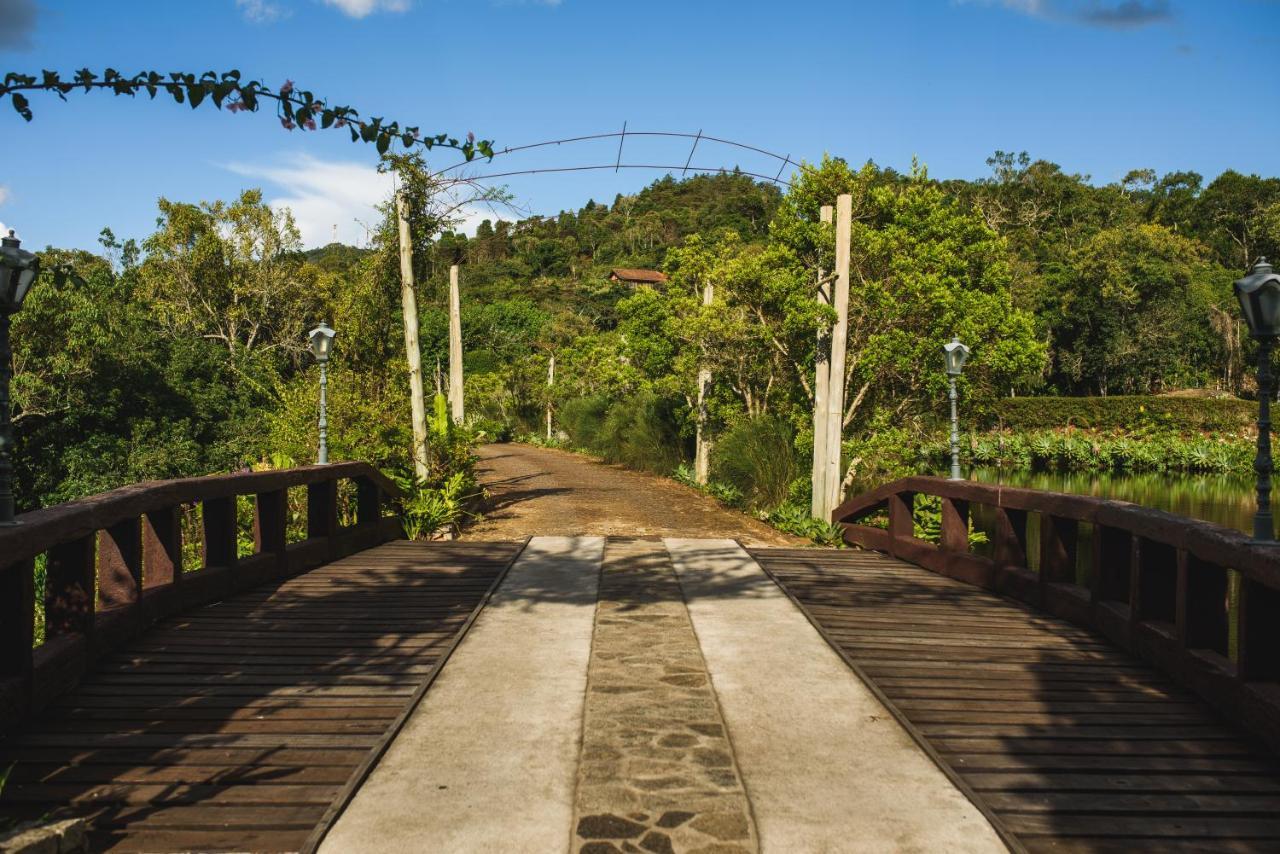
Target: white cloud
{"points": [[1111, 14], [4, 230], [4, 194], [333, 195], [262, 11], [364, 8]]}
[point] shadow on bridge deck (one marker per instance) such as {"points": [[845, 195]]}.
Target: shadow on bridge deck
{"points": [[1067, 743], [238, 725]]}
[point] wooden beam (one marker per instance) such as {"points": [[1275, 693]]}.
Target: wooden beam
{"points": [[455, 347], [818, 506], [839, 342], [409, 310]]}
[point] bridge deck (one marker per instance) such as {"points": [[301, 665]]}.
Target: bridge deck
{"points": [[1067, 743], [238, 725]]}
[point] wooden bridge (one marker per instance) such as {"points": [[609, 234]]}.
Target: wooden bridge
{"points": [[1048, 672]]}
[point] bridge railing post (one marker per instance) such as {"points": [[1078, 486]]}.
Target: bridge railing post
{"points": [[955, 525], [270, 521], [368, 502], [1259, 632], [1058, 538], [120, 564], [1010, 547]]}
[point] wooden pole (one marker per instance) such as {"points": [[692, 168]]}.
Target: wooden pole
{"points": [[702, 445], [821, 379], [455, 346], [839, 342], [409, 308], [551, 381]]}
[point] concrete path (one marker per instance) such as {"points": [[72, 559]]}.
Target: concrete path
{"points": [[715, 719], [826, 766], [489, 760]]}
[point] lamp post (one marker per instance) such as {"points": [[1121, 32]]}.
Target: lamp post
{"points": [[18, 271], [956, 354], [321, 342], [1259, 295]]}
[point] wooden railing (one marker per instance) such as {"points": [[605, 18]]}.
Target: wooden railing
{"points": [[1199, 601], [114, 563]]}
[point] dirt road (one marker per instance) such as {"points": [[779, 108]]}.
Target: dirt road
{"points": [[543, 492]]}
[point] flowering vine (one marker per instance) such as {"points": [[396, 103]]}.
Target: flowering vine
{"points": [[296, 108]]}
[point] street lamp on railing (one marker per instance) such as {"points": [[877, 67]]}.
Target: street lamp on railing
{"points": [[956, 354], [321, 342], [18, 271], [1259, 295]]}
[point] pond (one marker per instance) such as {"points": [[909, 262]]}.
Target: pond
{"points": [[1227, 500]]}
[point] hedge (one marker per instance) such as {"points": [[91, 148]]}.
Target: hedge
{"points": [[1126, 413]]}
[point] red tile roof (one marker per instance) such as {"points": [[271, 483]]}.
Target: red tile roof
{"points": [[624, 275]]}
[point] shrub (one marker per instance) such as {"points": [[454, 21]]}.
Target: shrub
{"points": [[641, 432], [757, 457], [582, 418], [1126, 413]]}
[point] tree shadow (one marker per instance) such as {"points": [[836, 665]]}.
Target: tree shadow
{"points": [[1062, 737], [236, 725]]}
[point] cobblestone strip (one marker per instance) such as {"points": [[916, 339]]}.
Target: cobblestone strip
{"points": [[657, 772]]}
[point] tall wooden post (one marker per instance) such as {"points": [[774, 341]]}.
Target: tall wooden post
{"points": [[702, 445], [839, 342], [551, 381], [821, 380], [409, 308], [455, 347]]}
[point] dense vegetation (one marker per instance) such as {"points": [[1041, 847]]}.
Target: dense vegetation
{"points": [[184, 353]]}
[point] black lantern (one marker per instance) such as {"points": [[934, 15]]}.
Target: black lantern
{"points": [[18, 271], [1259, 295]]}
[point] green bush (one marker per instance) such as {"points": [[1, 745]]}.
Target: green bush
{"points": [[581, 419], [641, 431], [1126, 413], [757, 457]]}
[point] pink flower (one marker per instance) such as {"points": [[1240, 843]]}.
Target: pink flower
{"points": [[340, 123], [310, 124], [286, 88], [471, 137], [235, 107], [286, 124]]}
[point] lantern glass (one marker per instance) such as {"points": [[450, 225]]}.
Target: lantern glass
{"points": [[1259, 296], [18, 271], [957, 354], [321, 341]]}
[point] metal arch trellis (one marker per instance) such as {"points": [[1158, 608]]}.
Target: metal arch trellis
{"points": [[783, 159]]}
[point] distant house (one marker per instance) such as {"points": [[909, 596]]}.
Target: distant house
{"points": [[637, 277]]}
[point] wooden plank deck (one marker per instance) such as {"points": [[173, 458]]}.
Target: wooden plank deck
{"points": [[240, 726], [1067, 743]]}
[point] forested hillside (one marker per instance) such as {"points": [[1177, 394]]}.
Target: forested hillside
{"points": [[183, 353]]}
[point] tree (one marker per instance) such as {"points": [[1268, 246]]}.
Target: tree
{"points": [[1136, 309], [232, 273]]}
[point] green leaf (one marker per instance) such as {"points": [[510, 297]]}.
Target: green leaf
{"points": [[21, 105]]}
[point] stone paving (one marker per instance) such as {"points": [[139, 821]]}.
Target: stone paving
{"points": [[657, 771]]}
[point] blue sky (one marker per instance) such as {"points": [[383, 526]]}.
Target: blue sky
{"points": [[1099, 86]]}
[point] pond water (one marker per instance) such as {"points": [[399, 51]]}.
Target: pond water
{"points": [[1227, 500]]}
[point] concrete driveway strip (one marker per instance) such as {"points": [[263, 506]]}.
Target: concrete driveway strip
{"points": [[825, 766], [488, 761]]}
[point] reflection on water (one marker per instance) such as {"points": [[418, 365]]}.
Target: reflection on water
{"points": [[1224, 499]]}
